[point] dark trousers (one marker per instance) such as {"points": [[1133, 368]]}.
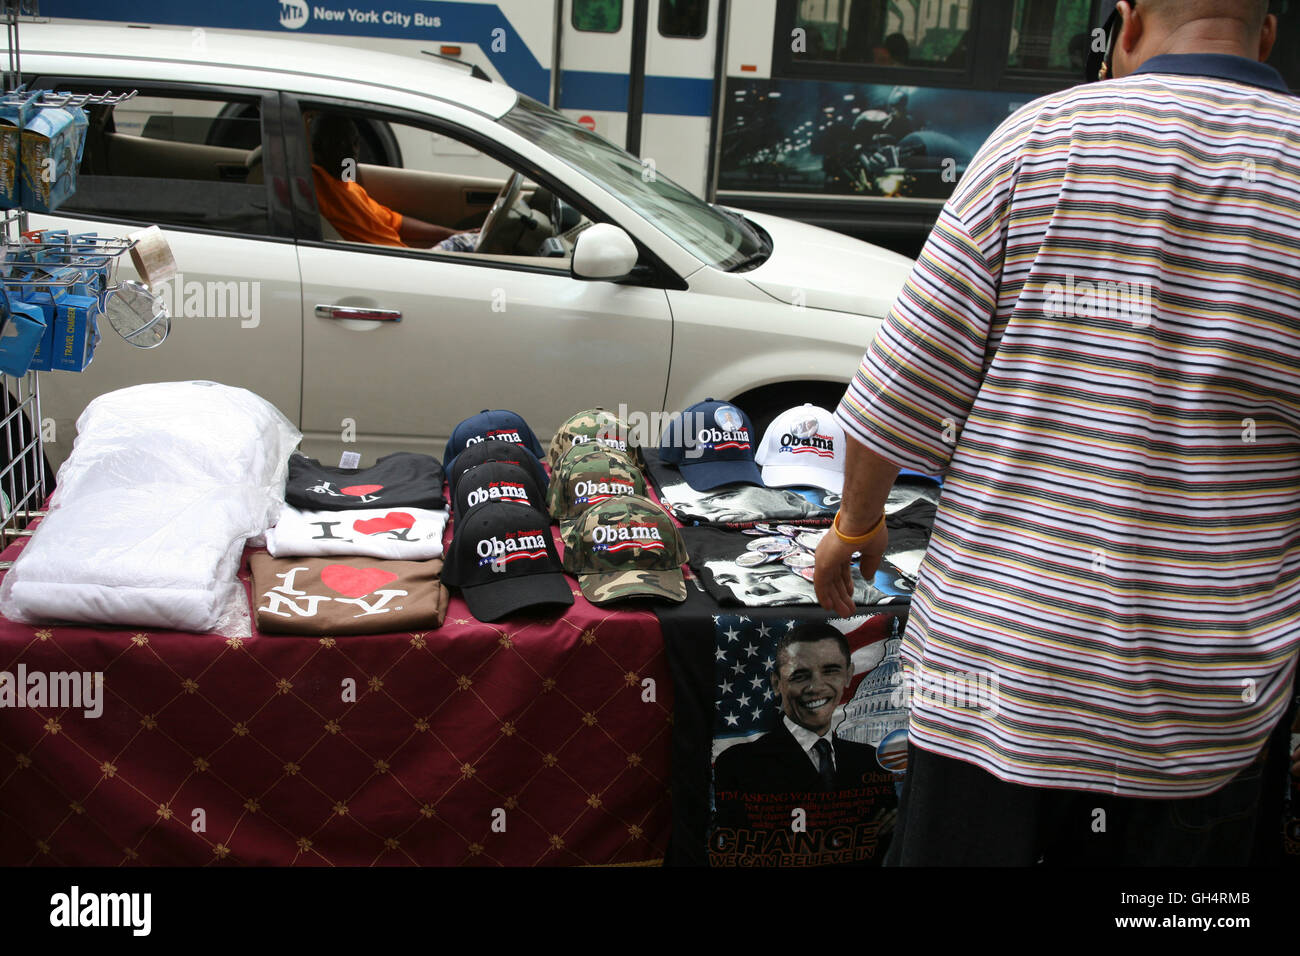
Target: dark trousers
{"points": [[951, 813]]}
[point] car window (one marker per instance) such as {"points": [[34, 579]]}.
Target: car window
{"points": [[436, 152], [437, 198], [1050, 37], [175, 161], [915, 33]]}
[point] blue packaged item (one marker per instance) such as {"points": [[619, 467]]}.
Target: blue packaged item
{"points": [[48, 298], [76, 334], [20, 336], [53, 140], [43, 360], [42, 253], [47, 238], [16, 109], [45, 298]]}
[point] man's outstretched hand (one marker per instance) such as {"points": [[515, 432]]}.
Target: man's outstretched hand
{"points": [[867, 480], [833, 576]]}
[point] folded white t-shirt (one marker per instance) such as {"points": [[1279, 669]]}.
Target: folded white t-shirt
{"points": [[398, 534]]}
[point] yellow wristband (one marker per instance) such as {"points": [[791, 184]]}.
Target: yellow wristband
{"points": [[858, 539]]}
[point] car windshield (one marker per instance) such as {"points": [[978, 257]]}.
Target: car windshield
{"points": [[716, 238]]}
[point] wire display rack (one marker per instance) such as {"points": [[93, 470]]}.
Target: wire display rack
{"points": [[24, 476], [22, 473]]}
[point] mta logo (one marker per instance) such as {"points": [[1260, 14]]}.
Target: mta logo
{"points": [[294, 14]]}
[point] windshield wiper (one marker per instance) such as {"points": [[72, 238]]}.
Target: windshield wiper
{"points": [[740, 221], [752, 261], [753, 232]]}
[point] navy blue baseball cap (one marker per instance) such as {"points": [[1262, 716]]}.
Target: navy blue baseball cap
{"points": [[499, 425], [711, 444]]}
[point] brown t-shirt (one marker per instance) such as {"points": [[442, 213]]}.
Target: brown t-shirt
{"points": [[346, 595]]}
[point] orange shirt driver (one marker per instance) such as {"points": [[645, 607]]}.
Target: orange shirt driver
{"points": [[336, 142], [350, 210]]}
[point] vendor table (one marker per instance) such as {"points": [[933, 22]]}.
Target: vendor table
{"points": [[536, 741]]}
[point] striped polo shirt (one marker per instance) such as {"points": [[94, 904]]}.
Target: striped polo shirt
{"points": [[1099, 348]]}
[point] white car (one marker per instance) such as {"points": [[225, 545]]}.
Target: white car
{"points": [[596, 281]]}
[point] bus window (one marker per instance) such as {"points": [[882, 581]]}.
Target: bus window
{"points": [[683, 19], [598, 16], [924, 33], [1051, 36]]}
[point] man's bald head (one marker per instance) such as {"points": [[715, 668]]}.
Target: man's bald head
{"points": [[1156, 27]]}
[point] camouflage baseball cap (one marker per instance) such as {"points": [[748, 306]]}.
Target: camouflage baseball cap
{"points": [[626, 547], [594, 425], [587, 475]]}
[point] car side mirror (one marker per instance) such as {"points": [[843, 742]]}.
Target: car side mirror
{"points": [[603, 251]]}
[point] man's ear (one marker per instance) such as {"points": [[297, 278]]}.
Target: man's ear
{"points": [[1131, 31], [1267, 37]]}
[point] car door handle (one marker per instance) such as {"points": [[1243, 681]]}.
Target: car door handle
{"points": [[357, 312]]}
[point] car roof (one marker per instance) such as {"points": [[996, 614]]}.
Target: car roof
{"points": [[279, 63]]}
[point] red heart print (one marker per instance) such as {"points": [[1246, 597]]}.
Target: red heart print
{"points": [[389, 522], [354, 582], [361, 490]]}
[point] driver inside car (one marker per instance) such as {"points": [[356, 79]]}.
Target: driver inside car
{"points": [[347, 206]]}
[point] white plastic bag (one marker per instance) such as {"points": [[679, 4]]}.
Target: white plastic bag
{"points": [[164, 485]]}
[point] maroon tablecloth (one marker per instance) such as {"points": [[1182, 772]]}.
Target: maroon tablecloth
{"points": [[534, 741]]}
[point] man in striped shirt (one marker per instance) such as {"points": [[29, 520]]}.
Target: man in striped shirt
{"points": [[1099, 348]]}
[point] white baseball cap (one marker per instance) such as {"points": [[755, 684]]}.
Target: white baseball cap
{"points": [[803, 446]]}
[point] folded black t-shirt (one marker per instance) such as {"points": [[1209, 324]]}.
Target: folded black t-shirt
{"points": [[403, 479]]}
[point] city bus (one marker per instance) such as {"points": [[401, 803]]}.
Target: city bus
{"points": [[857, 115]]}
